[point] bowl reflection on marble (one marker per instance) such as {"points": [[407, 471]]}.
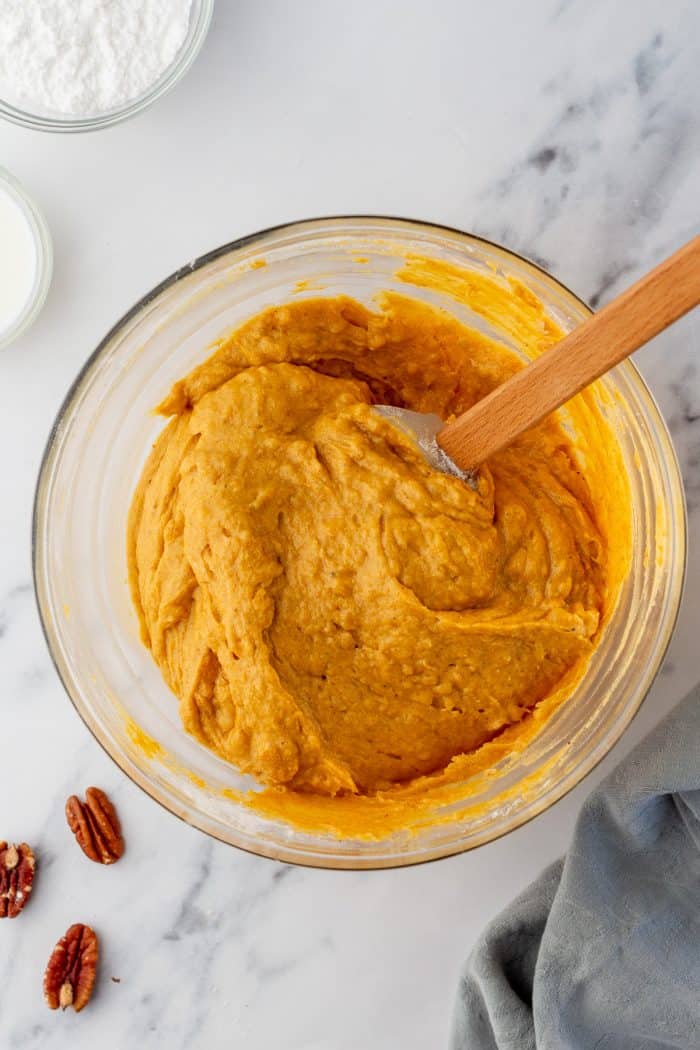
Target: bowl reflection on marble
{"points": [[94, 458]]}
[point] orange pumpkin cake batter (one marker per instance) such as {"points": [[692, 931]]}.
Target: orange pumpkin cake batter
{"points": [[336, 617]]}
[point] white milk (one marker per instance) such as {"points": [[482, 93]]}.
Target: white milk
{"points": [[18, 260]]}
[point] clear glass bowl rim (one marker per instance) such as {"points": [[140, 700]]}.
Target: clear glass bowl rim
{"points": [[553, 795], [44, 259], [202, 11]]}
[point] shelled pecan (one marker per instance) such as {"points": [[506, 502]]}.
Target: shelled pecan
{"points": [[17, 867], [70, 973], [95, 825]]}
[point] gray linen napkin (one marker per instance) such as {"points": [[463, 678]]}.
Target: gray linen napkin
{"points": [[602, 952]]}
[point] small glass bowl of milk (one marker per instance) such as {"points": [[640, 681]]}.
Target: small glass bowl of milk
{"points": [[26, 259]]}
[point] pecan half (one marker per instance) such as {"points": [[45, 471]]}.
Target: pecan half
{"points": [[70, 973], [17, 866], [95, 825]]}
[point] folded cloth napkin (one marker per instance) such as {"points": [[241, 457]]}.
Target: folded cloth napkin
{"points": [[603, 951]]}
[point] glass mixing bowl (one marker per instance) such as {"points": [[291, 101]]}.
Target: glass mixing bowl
{"points": [[45, 120], [94, 457]]}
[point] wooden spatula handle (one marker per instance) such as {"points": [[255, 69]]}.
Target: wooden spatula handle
{"points": [[605, 339]]}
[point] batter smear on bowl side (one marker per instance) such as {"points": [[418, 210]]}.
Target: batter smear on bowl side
{"points": [[336, 617]]}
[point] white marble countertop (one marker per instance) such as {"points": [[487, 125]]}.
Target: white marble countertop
{"points": [[563, 128]]}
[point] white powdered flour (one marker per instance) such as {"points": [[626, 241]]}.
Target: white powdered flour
{"points": [[81, 57]]}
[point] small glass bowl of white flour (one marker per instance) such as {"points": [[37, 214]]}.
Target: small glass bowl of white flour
{"points": [[78, 65], [26, 259]]}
